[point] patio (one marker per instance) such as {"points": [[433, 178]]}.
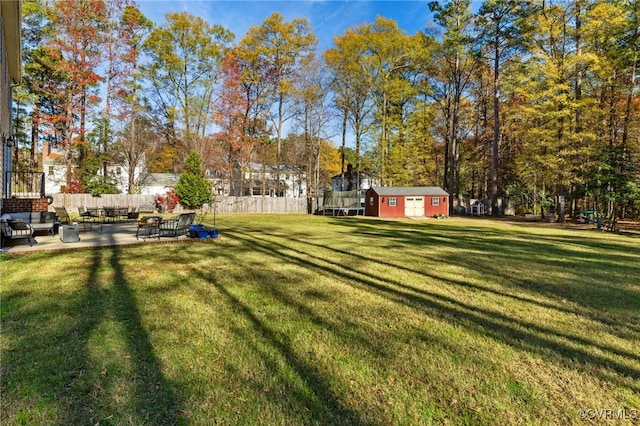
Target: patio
{"points": [[111, 234]]}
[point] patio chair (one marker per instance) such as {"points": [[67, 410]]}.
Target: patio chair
{"points": [[148, 226], [177, 226], [14, 229], [65, 219], [133, 214], [63, 216], [88, 218]]}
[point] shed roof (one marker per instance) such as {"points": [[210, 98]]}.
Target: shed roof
{"points": [[409, 190]]}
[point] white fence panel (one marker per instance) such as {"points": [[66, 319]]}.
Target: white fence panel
{"points": [[275, 205], [234, 205]]}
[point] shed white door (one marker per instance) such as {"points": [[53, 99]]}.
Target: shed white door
{"points": [[414, 206]]}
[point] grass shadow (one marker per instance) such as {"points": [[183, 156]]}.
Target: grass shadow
{"points": [[50, 373], [535, 338]]}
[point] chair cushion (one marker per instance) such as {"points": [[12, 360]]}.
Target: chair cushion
{"points": [[48, 217], [18, 224]]}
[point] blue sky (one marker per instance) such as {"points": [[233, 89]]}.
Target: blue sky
{"points": [[328, 18]]}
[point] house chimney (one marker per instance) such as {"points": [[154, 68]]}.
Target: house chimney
{"points": [[46, 149]]}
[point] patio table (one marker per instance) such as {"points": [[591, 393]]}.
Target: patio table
{"points": [[93, 215], [95, 212], [114, 214]]}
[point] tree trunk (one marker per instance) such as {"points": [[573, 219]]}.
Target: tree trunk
{"points": [[383, 140], [279, 144], [344, 141], [34, 138], [496, 129]]}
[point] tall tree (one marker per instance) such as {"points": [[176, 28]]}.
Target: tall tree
{"points": [[383, 54], [76, 46], [547, 105], [124, 28], [614, 180], [311, 88], [240, 116], [184, 57], [35, 29], [498, 22], [279, 47], [391, 54], [352, 92], [133, 29], [457, 64]]}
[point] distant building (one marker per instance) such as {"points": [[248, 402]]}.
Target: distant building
{"points": [[219, 182], [55, 170], [158, 183], [247, 183], [353, 180], [258, 180]]}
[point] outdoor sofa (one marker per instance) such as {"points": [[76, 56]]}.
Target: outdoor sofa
{"points": [[24, 225]]}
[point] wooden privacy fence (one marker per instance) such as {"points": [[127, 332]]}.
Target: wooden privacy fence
{"points": [[239, 205]]}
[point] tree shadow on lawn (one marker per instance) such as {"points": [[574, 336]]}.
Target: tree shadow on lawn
{"points": [[523, 335], [156, 400], [308, 390], [48, 370], [520, 289], [487, 238], [485, 253], [609, 294], [490, 250]]}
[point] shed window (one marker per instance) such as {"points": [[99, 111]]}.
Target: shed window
{"points": [[370, 201], [393, 201], [435, 201]]}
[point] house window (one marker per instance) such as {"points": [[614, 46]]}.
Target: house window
{"points": [[393, 201], [118, 171], [435, 201], [50, 170]]}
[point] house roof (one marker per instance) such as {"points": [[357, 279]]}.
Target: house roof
{"points": [[408, 190], [53, 156], [12, 19], [159, 179], [362, 175], [257, 167]]}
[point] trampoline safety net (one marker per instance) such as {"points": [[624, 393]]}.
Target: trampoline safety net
{"points": [[348, 199]]}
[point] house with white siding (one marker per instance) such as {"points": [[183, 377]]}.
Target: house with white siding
{"points": [[10, 73], [55, 170], [257, 179], [158, 183]]}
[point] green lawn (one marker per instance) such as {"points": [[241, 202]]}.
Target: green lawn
{"points": [[318, 320]]}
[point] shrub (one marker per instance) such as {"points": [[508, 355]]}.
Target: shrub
{"points": [[167, 202], [193, 188]]}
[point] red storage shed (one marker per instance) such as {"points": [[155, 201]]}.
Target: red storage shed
{"points": [[409, 201]]}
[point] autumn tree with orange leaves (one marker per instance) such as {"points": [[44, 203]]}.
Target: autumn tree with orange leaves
{"points": [[72, 54], [238, 114]]}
